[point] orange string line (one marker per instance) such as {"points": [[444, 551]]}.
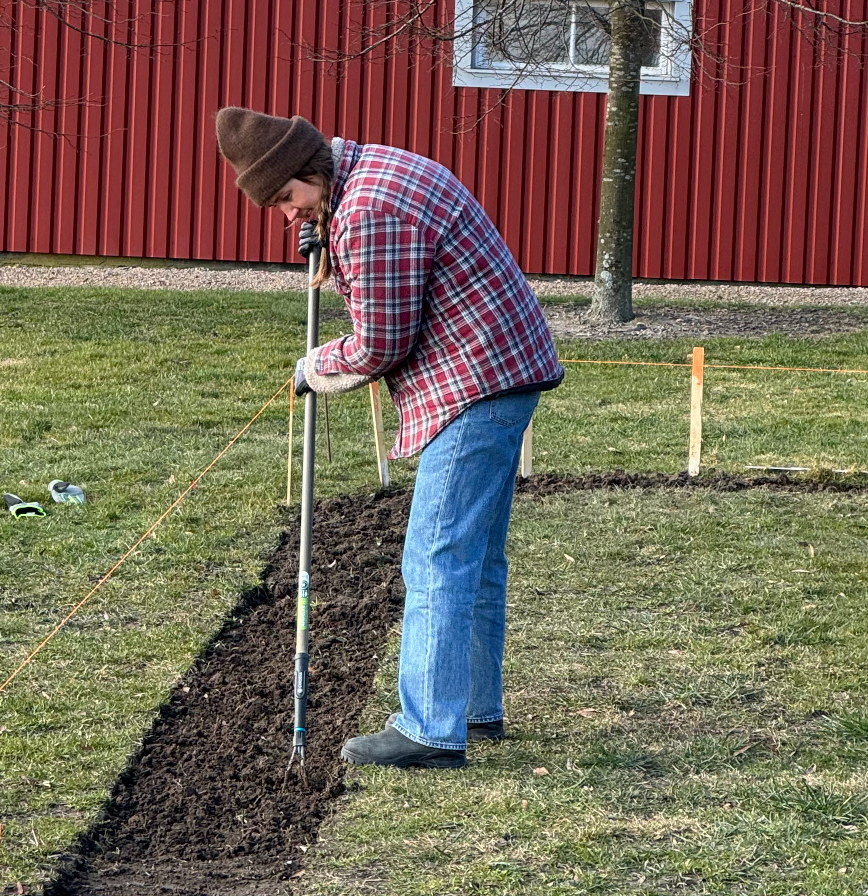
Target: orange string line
{"points": [[716, 366], [636, 363], [247, 426], [802, 369], [108, 575]]}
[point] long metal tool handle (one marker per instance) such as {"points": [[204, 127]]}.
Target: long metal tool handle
{"points": [[304, 554]]}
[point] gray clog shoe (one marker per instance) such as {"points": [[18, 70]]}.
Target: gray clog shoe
{"points": [[390, 747]]}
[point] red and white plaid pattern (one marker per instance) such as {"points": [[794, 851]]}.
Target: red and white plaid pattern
{"points": [[439, 306]]}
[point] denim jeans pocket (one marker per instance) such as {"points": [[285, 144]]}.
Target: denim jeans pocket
{"points": [[511, 410]]}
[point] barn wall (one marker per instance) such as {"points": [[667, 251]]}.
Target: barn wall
{"points": [[758, 175]]}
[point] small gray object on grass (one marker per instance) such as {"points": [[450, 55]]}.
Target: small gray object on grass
{"points": [[65, 493], [19, 508]]}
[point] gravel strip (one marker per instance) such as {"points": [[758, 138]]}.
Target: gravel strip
{"points": [[294, 277]]}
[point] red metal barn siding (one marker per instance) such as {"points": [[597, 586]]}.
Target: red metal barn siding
{"points": [[761, 174]]}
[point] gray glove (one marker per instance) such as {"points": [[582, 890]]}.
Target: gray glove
{"points": [[301, 385], [308, 239], [328, 383]]}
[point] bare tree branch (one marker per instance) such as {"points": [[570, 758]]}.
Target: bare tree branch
{"points": [[94, 20]]}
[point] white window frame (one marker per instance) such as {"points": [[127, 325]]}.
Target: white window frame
{"points": [[670, 78]]}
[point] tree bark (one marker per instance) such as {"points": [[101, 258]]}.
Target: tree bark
{"points": [[613, 282]]}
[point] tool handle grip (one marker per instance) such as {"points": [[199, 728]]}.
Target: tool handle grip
{"points": [[301, 683]]}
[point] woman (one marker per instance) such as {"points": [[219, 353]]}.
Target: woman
{"points": [[443, 314]]}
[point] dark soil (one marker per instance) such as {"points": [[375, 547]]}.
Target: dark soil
{"points": [[663, 322], [202, 809], [541, 485]]}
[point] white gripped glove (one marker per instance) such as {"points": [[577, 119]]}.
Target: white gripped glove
{"points": [[332, 383]]}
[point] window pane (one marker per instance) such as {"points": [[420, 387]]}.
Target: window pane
{"points": [[592, 35], [521, 31], [651, 48]]}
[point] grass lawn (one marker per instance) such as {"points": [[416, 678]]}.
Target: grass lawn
{"points": [[686, 679], [131, 394]]}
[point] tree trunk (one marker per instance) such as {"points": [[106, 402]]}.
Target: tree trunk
{"points": [[613, 282]]}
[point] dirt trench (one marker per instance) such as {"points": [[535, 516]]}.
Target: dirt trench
{"points": [[201, 809]]}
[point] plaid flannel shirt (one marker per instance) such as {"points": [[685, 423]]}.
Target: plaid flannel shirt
{"points": [[439, 306]]}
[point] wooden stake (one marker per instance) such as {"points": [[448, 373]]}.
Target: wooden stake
{"points": [[379, 435], [527, 452], [696, 411], [289, 451], [325, 406]]}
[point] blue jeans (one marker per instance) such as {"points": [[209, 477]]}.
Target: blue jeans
{"points": [[455, 572]]}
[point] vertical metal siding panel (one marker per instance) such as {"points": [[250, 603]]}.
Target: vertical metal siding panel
{"points": [[181, 221], [845, 161], [562, 189], [798, 131], [327, 94], [667, 138], [278, 243], [350, 94], [306, 85], [751, 147], [232, 94], [678, 189], [161, 135], [42, 170], [104, 138], [374, 97], [208, 175], [488, 162], [824, 125], [531, 247], [639, 189], [255, 97], [726, 156], [705, 95], [774, 153], [588, 127], [21, 142], [651, 226], [6, 75], [860, 223], [512, 182], [466, 140], [397, 84], [442, 135], [421, 92], [444, 105], [92, 197], [69, 144], [136, 186]]}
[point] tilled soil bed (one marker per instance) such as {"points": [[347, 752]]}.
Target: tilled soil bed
{"points": [[205, 807], [544, 484], [202, 808]]}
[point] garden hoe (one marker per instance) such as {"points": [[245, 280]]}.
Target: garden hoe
{"points": [[304, 549]]}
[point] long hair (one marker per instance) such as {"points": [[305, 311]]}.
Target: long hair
{"points": [[320, 169]]}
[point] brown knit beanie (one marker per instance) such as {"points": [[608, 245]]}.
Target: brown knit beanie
{"points": [[266, 151]]}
